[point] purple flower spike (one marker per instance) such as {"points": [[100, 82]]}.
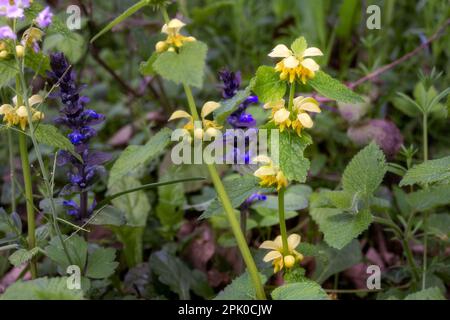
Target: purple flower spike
{"points": [[44, 18], [231, 83], [7, 33]]}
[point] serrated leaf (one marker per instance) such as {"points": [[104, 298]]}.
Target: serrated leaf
{"points": [[42, 289], [76, 247], [267, 84], [334, 261], [427, 294], [333, 89], [429, 198], [427, 172], [22, 256], [73, 47], [38, 62], [365, 171], [340, 228], [439, 225], [171, 199], [240, 288], [187, 66], [299, 45], [238, 189], [292, 162], [51, 136], [8, 72], [135, 156], [305, 290], [101, 263], [109, 216], [229, 105]]}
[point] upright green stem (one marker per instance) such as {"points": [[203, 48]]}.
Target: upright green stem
{"points": [[425, 218], [29, 200], [282, 221], [291, 96], [12, 171], [229, 211]]}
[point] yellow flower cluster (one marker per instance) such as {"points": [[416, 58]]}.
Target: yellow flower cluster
{"points": [[295, 65], [269, 173], [278, 257], [174, 38], [209, 128], [296, 119], [18, 115]]}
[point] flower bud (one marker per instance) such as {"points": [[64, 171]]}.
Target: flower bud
{"points": [[171, 49], [3, 54], [198, 134], [20, 51], [289, 261], [160, 46]]}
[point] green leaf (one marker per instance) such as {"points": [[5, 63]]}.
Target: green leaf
{"points": [[238, 190], [8, 72], [51, 136], [427, 172], [73, 47], [365, 171], [333, 89], [42, 289], [305, 290], [76, 247], [332, 261], [240, 288], [185, 67], [146, 68], [131, 238], [171, 199], [229, 105], [173, 272], [22, 256], [101, 263], [430, 198], [439, 225], [109, 216], [299, 45], [135, 205], [427, 294], [134, 157], [295, 198], [267, 85], [340, 228], [292, 162], [38, 62]]}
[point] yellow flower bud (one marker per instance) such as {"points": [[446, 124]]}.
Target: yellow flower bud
{"points": [[171, 49], [20, 51], [198, 133], [3, 54], [289, 261], [160, 46]]}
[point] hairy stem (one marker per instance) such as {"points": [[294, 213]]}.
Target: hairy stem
{"points": [[291, 96], [12, 171], [426, 213], [282, 221]]}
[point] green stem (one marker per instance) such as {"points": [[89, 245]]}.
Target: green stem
{"points": [[282, 221], [239, 236], [229, 211], [291, 96], [12, 171], [165, 14], [425, 218], [29, 200]]}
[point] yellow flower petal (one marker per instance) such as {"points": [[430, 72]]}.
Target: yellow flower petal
{"points": [[280, 51], [265, 171], [305, 120], [6, 108], [310, 64], [278, 104], [293, 241], [312, 52], [269, 244], [272, 255], [209, 107], [262, 159], [173, 26], [291, 62], [35, 99], [22, 112], [281, 116], [179, 114]]}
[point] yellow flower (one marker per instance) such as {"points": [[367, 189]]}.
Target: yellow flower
{"points": [[209, 127], [18, 115], [280, 115], [174, 38], [278, 257], [303, 105], [294, 63], [3, 50], [269, 173], [31, 37]]}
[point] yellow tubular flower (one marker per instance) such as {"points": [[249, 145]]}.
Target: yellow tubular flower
{"points": [[18, 115], [269, 173], [31, 36], [278, 257], [294, 64], [174, 38], [303, 105], [209, 127], [280, 115], [3, 50]]}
